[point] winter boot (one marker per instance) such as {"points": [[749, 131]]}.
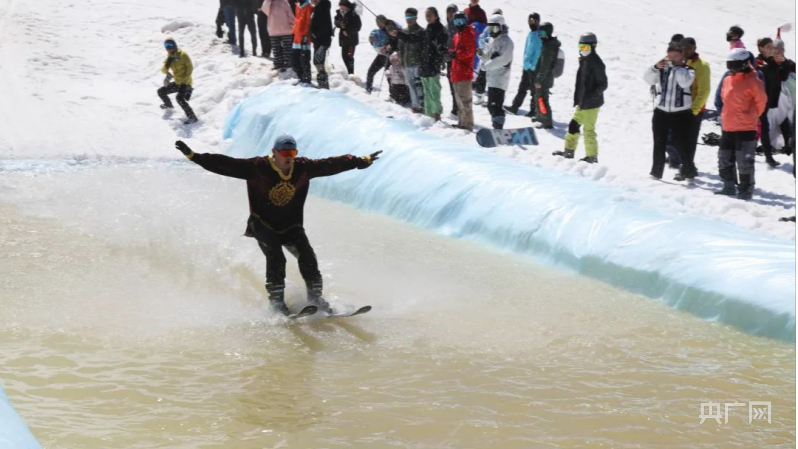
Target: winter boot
{"points": [[277, 298], [191, 121], [772, 162], [167, 106], [531, 114], [745, 191], [729, 189], [314, 296], [511, 109], [568, 154], [479, 99], [436, 117], [589, 159]]}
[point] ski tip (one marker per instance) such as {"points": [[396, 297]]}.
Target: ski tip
{"points": [[306, 311]]}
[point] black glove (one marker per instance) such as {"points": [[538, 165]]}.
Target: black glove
{"points": [[375, 156], [219, 33], [183, 148]]}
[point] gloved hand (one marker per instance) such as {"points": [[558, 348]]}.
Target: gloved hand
{"points": [[480, 52], [183, 148], [219, 33], [371, 158], [167, 79]]}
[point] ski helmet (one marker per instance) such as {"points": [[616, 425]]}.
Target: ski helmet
{"points": [[496, 19], [588, 38], [737, 61], [170, 44], [546, 29], [460, 19]]}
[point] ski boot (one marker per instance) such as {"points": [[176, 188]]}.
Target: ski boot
{"points": [[314, 297], [191, 121], [745, 192], [590, 159], [479, 99], [729, 189], [277, 299], [568, 154]]}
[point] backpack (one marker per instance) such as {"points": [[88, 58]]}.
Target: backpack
{"points": [[381, 39], [559, 64]]}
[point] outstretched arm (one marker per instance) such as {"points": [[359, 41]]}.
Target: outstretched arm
{"points": [[334, 165], [218, 163]]}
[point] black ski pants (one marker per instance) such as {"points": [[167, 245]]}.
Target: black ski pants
{"points": [[263, 31], [246, 20], [183, 91], [527, 84], [295, 240], [380, 62], [680, 125]]}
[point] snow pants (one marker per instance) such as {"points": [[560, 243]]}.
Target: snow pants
{"points": [[432, 95], [348, 55], [527, 84], [281, 48], [379, 63], [496, 106], [183, 91], [583, 118], [737, 150], [300, 59], [247, 21], [319, 60], [465, 99], [680, 125], [263, 31], [414, 83]]}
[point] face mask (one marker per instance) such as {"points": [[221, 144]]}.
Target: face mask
{"points": [[585, 53], [729, 37], [495, 30]]}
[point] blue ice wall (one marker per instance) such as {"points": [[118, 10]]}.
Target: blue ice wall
{"points": [[712, 269], [14, 434]]}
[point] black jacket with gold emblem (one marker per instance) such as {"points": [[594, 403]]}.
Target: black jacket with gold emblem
{"points": [[275, 199]]}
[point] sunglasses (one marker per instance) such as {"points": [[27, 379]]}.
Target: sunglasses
{"points": [[584, 47], [288, 153]]}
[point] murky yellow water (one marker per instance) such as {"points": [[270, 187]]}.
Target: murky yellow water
{"points": [[133, 317]]}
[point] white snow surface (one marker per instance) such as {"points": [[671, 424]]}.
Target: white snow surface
{"points": [[81, 83]]}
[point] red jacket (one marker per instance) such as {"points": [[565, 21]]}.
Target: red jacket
{"points": [[302, 25], [476, 14], [464, 45], [744, 100]]}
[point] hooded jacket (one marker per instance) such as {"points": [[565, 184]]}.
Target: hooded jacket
{"points": [[532, 50], [281, 19], [774, 76], [672, 87], [464, 46], [744, 100], [321, 28], [497, 60], [591, 82], [180, 65], [351, 23], [548, 57]]}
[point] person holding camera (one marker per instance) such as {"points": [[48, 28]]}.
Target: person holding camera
{"points": [[671, 81]]}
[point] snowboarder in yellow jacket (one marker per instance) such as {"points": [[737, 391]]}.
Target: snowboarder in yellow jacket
{"points": [[178, 69]]}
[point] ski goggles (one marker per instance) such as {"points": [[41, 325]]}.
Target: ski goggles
{"points": [[543, 33], [459, 22], [411, 17], [288, 153], [169, 45], [584, 47], [495, 28]]}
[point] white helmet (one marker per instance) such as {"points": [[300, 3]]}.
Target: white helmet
{"points": [[738, 54], [496, 19]]}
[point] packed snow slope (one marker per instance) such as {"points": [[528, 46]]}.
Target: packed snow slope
{"points": [[462, 191], [14, 434]]}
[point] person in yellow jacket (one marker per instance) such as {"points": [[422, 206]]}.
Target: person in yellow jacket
{"points": [[699, 93], [178, 69]]}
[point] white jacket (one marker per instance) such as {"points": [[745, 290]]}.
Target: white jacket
{"points": [[670, 87], [281, 18], [497, 59]]}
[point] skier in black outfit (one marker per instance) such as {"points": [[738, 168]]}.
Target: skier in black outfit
{"points": [[245, 11], [382, 61], [321, 29], [277, 187], [348, 20], [774, 76]]}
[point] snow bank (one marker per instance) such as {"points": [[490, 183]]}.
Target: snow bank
{"points": [[14, 434], [712, 269], [171, 27]]}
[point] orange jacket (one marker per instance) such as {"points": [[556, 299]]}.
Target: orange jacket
{"points": [[304, 10], [744, 100]]}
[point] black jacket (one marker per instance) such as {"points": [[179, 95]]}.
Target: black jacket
{"points": [[349, 22], [548, 57], [245, 7], [435, 39], [591, 82], [321, 24], [774, 75]]}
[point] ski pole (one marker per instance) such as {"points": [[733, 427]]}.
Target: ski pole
{"points": [[367, 8], [381, 80]]}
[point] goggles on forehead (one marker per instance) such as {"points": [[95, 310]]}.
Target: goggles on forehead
{"points": [[458, 22], [584, 47]]}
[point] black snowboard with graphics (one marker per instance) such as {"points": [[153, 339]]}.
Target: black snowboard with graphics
{"points": [[490, 138]]}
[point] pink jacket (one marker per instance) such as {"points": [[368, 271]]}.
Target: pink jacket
{"points": [[281, 19], [736, 44]]}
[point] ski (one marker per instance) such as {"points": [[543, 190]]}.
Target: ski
{"points": [[359, 311], [306, 311]]}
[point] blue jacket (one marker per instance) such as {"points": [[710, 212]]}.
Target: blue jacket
{"points": [[532, 51]]}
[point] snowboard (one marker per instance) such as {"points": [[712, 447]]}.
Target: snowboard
{"points": [[306, 311], [490, 138], [359, 311]]}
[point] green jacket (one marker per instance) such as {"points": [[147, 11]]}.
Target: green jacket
{"points": [[181, 67], [701, 86], [411, 52], [548, 57]]}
